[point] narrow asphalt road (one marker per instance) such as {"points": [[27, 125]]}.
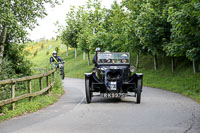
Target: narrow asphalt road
{"points": [[159, 112]]}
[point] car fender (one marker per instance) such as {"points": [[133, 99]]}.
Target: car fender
{"points": [[88, 75]]}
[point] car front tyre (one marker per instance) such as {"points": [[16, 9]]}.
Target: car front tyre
{"points": [[138, 97], [138, 92], [88, 91]]}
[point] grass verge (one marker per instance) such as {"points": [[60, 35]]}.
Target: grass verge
{"points": [[25, 106]]}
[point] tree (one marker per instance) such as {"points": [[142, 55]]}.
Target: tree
{"points": [[73, 27], [151, 28], [64, 38], [91, 27], [133, 41], [18, 16], [185, 31]]}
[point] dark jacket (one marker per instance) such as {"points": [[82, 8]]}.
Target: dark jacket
{"points": [[94, 61], [57, 58]]}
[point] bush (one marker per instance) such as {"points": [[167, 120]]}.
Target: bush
{"points": [[57, 49], [35, 53], [42, 45], [47, 53], [15, 62], [7, 69]]}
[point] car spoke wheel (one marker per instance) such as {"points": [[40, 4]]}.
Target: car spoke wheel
{"points": [[88, 91]]}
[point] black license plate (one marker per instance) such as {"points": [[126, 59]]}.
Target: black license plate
{"points": [[113, 95]]}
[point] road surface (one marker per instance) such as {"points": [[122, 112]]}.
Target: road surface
{"points": [[159, 112]]}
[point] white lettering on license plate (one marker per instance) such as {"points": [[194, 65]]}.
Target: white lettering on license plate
{"points": [[113, 95]]}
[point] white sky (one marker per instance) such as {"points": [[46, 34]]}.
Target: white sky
{"points": [[46, 26]]}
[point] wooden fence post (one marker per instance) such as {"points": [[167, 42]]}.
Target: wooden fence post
{"points": [[48, 83], [40, 80], [13, 95], [29, 89], [12, 82]]}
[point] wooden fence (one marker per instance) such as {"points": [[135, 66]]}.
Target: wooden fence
{"points": [[30, 94]]}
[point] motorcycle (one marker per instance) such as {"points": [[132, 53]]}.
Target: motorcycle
{"points": [[61, 66]]}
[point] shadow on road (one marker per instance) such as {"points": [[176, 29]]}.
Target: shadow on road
{"points": [[111, 100]]}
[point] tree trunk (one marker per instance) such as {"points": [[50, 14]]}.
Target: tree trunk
{"points": [[173, 64], [88, 58], [2, 43], [137, 61], [83, 55], [195, 66], [75, 52], [67, 51], [155, 62]]}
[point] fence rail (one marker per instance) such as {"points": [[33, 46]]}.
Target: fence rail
{"points": [[30, 94]]}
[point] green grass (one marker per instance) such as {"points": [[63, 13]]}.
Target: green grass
{"points": [[182, 81], [42, 58], [25, 106], [76, 67]]}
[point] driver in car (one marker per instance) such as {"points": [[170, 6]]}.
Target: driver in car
{"points": [[108, 57]]}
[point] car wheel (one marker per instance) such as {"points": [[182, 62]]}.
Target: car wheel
{"points": [[87, 91], [138, 97], [139, 90]]}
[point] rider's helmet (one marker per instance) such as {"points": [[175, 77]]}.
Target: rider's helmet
{"points": [[54, 53], [97, 49]]}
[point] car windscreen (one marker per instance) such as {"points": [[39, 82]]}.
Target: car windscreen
{"points": [[114, 58]]}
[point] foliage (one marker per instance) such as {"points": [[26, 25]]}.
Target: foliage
{"points": [[16, 56], [16, 17], [57, 49], [8, 71], [155, 27], [20, 15], [35, 53], [185, 30]]}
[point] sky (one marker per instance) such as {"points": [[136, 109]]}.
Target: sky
{"points": [[47, 28]]}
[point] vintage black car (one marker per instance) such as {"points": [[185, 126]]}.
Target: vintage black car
{"points": [[112, 78]]}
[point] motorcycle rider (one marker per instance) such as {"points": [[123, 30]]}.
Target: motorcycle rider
{"points": [[55, 58]]}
